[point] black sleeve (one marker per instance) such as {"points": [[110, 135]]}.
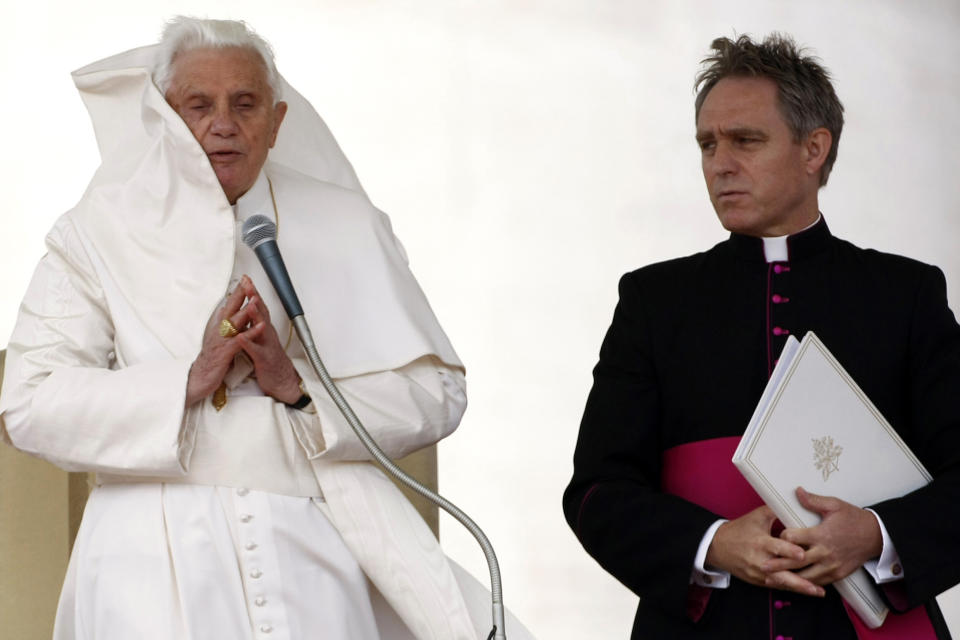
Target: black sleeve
{"points": [[643, 537], [925, 524]]}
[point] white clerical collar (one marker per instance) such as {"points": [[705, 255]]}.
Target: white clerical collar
{"points": [[775, 249], [256, 200]]}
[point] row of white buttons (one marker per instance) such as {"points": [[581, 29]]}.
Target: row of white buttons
{"points": [[255, 573]]}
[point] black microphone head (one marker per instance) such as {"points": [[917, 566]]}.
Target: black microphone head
{"points": [[257, 230]]}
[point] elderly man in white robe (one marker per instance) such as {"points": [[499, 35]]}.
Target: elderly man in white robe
{"points": [[232, 500]]}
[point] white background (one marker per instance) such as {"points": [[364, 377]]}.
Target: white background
{"points": [[528, 152]]}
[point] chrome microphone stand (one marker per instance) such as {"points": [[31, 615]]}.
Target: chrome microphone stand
{"points": [[496, 589]]}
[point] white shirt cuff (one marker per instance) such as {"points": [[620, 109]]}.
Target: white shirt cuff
{"points": [[700, 574], [887, 567]]}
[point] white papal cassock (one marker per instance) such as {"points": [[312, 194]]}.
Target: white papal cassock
{"points": [[257, 521]]}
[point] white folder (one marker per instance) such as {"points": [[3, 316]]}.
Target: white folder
{"points": [[815, 428]]}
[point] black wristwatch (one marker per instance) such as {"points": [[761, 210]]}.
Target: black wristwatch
{"points": [[302, 401]]}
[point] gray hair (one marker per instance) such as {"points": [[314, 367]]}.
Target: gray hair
{"points": [[807, 99], [185, 33]]}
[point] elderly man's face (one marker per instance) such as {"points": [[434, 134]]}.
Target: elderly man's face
{"points": [[224, 97]]}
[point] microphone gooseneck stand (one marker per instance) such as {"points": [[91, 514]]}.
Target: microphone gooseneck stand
{"points": [[259, 233], [306, 339]]}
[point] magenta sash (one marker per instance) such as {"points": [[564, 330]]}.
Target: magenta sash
{"points": [[702, 472]]}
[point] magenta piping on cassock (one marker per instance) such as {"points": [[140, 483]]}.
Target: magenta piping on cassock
{"points": [[583, 503], [766, 305]]}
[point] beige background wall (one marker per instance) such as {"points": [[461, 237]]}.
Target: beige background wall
{"points": [[34, 541]]}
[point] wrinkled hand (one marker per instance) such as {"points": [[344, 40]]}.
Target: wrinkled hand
{"points": [[846, 537], [217, 353], [744, 548], [275, 372]]}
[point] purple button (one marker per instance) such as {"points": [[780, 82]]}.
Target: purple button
{"points": [[777, 331], [778, 638], [778, 604], [780, 268]]}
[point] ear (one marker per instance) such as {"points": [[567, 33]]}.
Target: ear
{"points": [[815, 149], [279, 111]]}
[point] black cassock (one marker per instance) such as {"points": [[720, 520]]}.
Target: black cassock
{"points": [[686, 358]]}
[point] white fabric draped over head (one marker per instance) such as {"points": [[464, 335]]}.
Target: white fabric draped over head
{"points": [[156, 215]]}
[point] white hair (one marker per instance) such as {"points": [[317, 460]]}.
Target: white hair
{"points": [[185, 33]]}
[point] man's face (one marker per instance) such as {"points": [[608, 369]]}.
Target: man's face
{"points": [[224, 97], [761, 182]]}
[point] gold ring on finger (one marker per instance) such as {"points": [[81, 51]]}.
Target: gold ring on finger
{"points": [[227, 330]]}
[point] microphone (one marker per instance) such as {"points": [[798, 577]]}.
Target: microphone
{"points": [[260, 234]]}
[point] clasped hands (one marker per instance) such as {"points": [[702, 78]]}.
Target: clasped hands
{"points": [[803, 559], [257, 337]]}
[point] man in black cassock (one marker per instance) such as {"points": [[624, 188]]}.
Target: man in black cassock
{"points": [[654, 497]]}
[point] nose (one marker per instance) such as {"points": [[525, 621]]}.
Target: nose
{"points": [[722, 161], [223, 123]]}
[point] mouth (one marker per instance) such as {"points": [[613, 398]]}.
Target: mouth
{"points": [[729, 194], [223, 156]]}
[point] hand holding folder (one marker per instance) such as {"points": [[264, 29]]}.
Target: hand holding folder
{"points": [[814, 428]]}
